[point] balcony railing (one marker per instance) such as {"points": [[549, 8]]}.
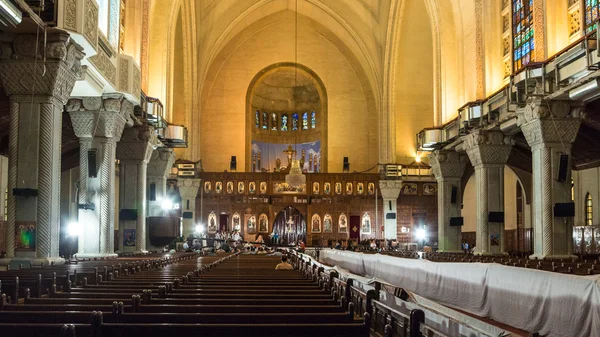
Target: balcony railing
{"points": [[565, 76]]}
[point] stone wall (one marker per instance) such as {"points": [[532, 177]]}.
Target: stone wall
{"points": [[2, 236]]}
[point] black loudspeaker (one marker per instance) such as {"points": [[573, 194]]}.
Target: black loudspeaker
{"points": [[346, 167], [270, 200], [25, 192], [564, 210], [457, 221], [453, 195], [233, 164], [152, 192], [309, 200], [128, 214], [563, 167], [496, 217], [92, 170], [390, 216]]}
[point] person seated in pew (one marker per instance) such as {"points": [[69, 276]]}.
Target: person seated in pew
{"points": [[261, 251], [284, 265]]}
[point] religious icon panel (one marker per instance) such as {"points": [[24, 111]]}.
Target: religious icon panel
{"points": [[343, 224], [327, 224], [218, 187], [263, 187], [338, 188], [212, 223], [263, 223], [241, 187], [349, 189], [371, 188], [327, 188], [230, 187], [366, 224], [315, 224], [236, 222], [250, 221], [207, 186], [252, 187]]}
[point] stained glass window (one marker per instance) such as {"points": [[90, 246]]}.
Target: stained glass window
{"points": [[523, 42], [305, 121], [265, 124], [592, 7], [284, 122], [257, 119], [274, 122], [313, 120], [588, 210], [295, 122]]}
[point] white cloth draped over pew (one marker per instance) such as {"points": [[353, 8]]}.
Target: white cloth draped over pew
{"points": [[552, 304]]}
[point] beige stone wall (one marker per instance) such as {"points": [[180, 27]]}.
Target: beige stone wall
{"points": [[414, 94], [352, 123]]}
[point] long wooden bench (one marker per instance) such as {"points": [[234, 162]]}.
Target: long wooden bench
{"points": [[235, 296]]}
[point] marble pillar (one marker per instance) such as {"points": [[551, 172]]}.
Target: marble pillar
{"points": [[390, 190], [188, 189], [488, 152], [98, 122], [550, 129], [38, 91], [134, 150], [448, 168]]}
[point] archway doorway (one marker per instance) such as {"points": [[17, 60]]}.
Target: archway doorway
{"points": [[289, 227]]}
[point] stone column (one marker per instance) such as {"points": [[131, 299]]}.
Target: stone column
{"points": [[550, 129], [188, 189], [488, 152], [99, 123], [134, 151], [448, 168], [158, 170], [38, 78], [390, 190]]}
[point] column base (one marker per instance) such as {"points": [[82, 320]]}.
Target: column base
{"points": [[96, 256], [552, 257], [451, 251], [26, 261]]}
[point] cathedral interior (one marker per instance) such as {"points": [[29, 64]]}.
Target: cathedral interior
{"points": [[448, 148]]}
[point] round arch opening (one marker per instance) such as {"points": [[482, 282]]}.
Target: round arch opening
{"points": [[286, 116]]}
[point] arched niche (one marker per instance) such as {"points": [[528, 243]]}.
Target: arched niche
{"points": [[276, 93]]}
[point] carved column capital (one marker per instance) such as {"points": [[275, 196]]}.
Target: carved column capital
{"points": [[447, 164], [390, 189], [137, 144], [24, 73], [161, 162], [188, 188], [99, 116], [487, 147], [550, 122]]}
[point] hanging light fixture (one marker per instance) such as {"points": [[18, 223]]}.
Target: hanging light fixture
{"points": [[295, 178]]}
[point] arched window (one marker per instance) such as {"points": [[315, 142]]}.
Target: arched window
{"points": [[265, 124], [588, 210], [305, 121], [284, 122], [295, 122], [257, 119], [592, 9], [313, 120], [522, 23], [274, 122]]}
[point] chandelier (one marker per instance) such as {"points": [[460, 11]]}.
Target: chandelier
{"points": [[295, 178]]}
